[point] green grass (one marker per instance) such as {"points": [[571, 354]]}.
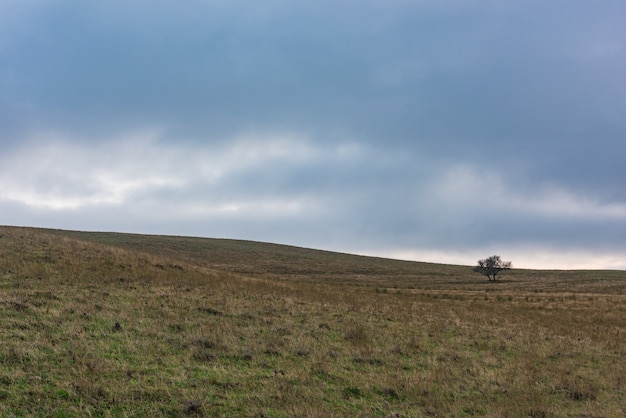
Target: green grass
{"points": [[103, 324]]}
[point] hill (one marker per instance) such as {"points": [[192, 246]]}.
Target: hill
{"points": [[258, 258], [115, 324]]}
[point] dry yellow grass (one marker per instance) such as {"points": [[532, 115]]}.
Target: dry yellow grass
{"points": [[131, 325]]}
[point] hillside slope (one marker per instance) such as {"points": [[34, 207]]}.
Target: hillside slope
{"points": [[263, 258], [288, 262], [128, 325]]}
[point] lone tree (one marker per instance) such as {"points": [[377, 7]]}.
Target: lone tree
{"points": [[491, 266]]}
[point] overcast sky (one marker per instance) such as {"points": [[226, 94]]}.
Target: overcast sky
{"points": [[440, 131]]}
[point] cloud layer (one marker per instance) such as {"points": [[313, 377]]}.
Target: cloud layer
{"points": [[438, 130]]}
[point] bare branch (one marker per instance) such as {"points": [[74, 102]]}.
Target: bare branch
{"points": [[492, 266]]}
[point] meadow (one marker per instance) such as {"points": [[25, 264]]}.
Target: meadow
{"points": [[108, 324]]}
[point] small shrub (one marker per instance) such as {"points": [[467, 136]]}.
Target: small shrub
{"points": [[357, 335]]}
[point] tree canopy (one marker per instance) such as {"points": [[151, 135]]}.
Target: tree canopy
{"points": [[492, 266]]}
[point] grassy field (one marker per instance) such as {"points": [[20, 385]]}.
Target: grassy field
{"points": [[104, 324]]}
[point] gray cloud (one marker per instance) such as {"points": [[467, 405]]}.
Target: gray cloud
{"points": [[404, 127]]}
